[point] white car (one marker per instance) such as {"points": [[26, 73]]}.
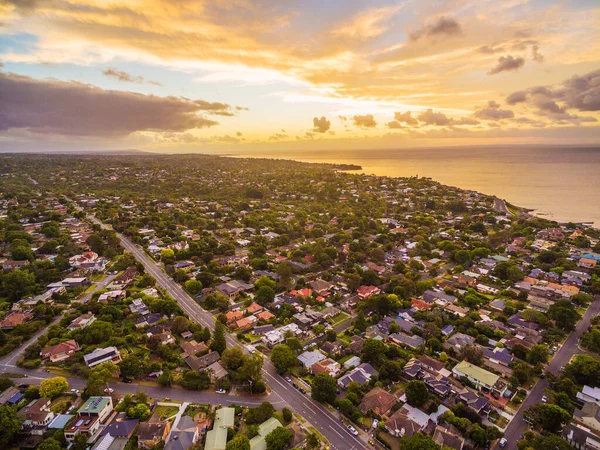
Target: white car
{"points": [[220, 391], [544, 399], [352, 430], [109, 391], [503, 442], [74, 391], [375, 423]]}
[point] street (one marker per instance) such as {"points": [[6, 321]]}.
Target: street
{"points": [[518, 426]]}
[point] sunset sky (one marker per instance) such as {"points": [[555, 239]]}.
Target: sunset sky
{"points": [[183, 75]]}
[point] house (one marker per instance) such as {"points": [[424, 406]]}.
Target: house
{"points": [[60, 352], [120, 427], [8, 394], [589, 416], [352, 362], [265, 315], [481, 378], [367, 291], [332, 348], [258, 442], [149, 319], [233, 288], [448, 436], [262, 329], [308, 359], [216, 439], [12, 265], [183, 435], [587, 263], [202, 362], [458, 341], [89, 417], [14, 319], [406, 340], [82, 321], [328, 366], [233, 316], [123, 280], [589, 394], [581, 437], [138, 307], [112, 296], [37, 417], [499, 356], [377, 401], [102, 355], [356, 344], [254, 308], [152, 433], [216, 371], [400, 424], [476, 402], [192, 348], [361, 375]]}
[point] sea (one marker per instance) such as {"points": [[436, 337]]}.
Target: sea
{"points": [[559, 183]]}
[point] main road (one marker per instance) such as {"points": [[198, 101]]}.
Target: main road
{"points": [[321, 418], [517, 425]]}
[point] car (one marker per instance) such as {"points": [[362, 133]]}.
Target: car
{"points": [[544, 399], [555, 348], [288, 379], [251, 349], [109, 390], [295, 385], [221, 391], [74, 391], [352, 430], [543, 375], [127, 380], [372, 442], [375, 423], [503, 442], [521, 437], [302, 390]]}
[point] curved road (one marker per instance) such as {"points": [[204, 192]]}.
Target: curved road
{"points": [[330, 427]]}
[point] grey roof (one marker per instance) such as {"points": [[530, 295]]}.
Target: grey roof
{"points": [[411, 341]]}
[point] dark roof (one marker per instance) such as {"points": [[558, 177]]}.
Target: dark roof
{"points": [[120, 426]]}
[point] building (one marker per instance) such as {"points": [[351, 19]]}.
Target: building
{"points": [[152, 433], [308, 359], [216, 439], [14, 319], [102, 355], [183, 435], [258, 442], [60, 352], [89, 417], [37, 417], [82, 321], [484, 381], [377, 401]]}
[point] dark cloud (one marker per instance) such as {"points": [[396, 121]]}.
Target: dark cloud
{"points": [[490, 50], [535, 54], [581, 92], [434, 118], [394, 124], [507, 64], [70, 108], [365, 121], [122, 76], [405, 118], [466, 121], [446, 26], [493, 112], [321, 125], [239, 134]]}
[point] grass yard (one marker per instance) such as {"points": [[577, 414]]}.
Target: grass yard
{"points": [[60, 404], [165, 412], [341, 317], [390, 440]]}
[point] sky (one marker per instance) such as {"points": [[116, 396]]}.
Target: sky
{"points": [[215, 75]]}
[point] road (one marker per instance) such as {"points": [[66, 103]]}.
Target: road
{"points": [[500, 205], [330, 427], [518, 426]]}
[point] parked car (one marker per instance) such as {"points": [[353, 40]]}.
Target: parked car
{"points": [[109, 391], [503, 442], [375, 423], [352, 430], [221, 391], [74, 391], [544, 399]]}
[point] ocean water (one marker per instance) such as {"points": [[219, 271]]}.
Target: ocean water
{"points": [[560, 183]]}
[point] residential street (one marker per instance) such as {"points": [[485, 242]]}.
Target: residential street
{"points": [[518, 426]]}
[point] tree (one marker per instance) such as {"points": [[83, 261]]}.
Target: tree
{"points": [[233, 358], [283, 358], [473, 354], [418, 441], [131, 367], [265, 295], [279, 438], [312, 442], [538, 354], [584, 369], [10, 424], [98, 377], [360, 323], [49, 444], [287, 415], [543, 441], [18, 283], [564, 314], [180, 324], [193, 286], [259, 414], [167, 254], [53, 387], [239, 442], [550, 417], [195, 380], [373, 350], [416, 393], [139, 411], [324, 388], [218, 344]]}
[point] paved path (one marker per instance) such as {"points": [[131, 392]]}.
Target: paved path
{"points": [[337, 434], [518, 426]]}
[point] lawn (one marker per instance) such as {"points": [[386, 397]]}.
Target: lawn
{"points": [[341, 317], [62, 403], [391, 441], [165, 412]]}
